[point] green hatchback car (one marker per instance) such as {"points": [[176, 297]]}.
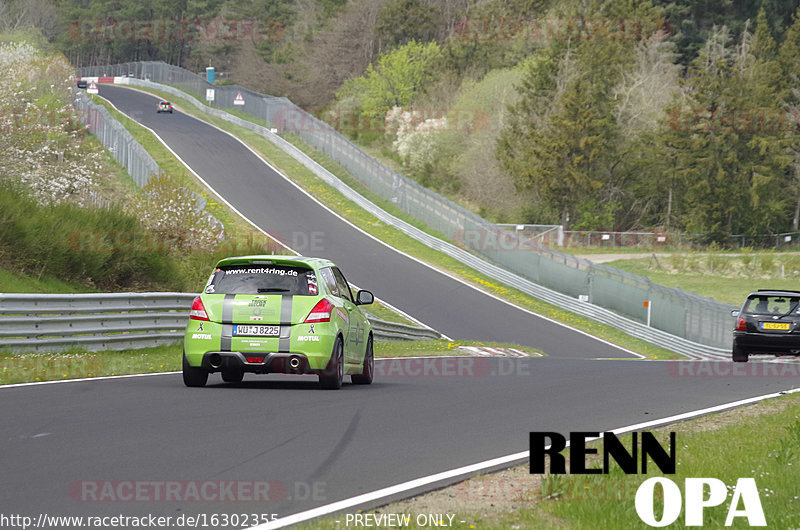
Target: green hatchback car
{"points": [[278, 314]]}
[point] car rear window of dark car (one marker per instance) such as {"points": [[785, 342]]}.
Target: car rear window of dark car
{"points": [[772, 305], [264, 279]]}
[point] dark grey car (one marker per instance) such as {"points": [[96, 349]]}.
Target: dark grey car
{"points": [[767, 323]]}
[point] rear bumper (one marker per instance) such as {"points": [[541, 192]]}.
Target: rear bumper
{"points": [[258, 362], [779, 344]]}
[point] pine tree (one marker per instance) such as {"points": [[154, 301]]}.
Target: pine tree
{"points": [[735, 160]]}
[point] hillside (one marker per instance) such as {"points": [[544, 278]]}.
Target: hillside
{"points": [[671, 115], [70, 217]]}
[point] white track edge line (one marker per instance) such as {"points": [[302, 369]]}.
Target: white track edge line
{"points": [[101, 378], [121, 376], [521, 456]]}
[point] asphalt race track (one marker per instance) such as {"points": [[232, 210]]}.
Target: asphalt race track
{"points": [[61, 444], [275, 205]]}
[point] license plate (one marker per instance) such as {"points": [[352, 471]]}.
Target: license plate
{"points": [[783, 326], [256, 331]]}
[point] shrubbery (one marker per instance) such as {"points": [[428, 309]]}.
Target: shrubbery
{"points": [[50, 224], [80, 244]]}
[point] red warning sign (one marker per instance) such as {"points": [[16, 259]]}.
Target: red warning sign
{"points": [[238, 100]]}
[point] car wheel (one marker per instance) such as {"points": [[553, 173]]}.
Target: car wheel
{"points": [[739, 355], [193, 376], [365, 378], [233, 375], [331, 377]]}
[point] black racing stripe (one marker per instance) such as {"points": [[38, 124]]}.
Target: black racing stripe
{"points": [[284, 342], [227, 322]]}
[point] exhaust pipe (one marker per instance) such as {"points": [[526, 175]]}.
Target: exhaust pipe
{"points": [[294, 362], [215, 360]]}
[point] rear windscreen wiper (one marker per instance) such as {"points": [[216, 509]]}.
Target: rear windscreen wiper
{"points": [[790, 311]]}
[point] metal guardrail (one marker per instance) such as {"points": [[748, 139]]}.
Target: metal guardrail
{"points": [[104, 321], [119, 321], [392, 331], [636, 329]]}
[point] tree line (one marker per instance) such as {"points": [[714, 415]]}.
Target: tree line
{"points": [[615, 134], [690, 126]]}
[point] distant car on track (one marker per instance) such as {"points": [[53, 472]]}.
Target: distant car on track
{"points": [[81, 83], [278, 314], [164, 106], [769, 323]]}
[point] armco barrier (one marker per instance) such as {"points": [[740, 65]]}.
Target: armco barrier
{"points": [[392, 331], [119, 321], [671, 340]]}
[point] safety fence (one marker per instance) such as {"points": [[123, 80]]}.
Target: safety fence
{"points": [[679, 313], [120, 321], [116, 138], [126, 150]]}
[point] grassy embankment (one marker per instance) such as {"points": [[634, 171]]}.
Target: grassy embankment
{"points": [[720, 446], [724, 276]]}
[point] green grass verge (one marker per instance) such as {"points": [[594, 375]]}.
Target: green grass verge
{"points": [[78, 363], [424, 348], [718, 446], [27, 367], [722, 276], [359, 217], [18, 282]]}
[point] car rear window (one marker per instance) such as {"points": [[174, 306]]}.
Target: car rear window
{"points": [[772, 305], [255, 279]]}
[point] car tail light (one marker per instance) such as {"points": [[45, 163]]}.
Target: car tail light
{"points": [[252, 359], [198, 311], [321, 312], [741, 325]]}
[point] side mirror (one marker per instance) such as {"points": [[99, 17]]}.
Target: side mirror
{"points": [[735, 313], [364, 298]]}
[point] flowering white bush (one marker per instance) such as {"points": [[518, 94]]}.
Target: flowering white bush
{"points": [[417, 138], [169, 210], [41, 141], [43, 145]]}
